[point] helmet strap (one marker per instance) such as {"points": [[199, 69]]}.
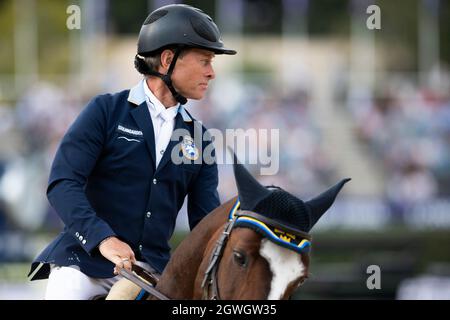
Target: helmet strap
{"points": [[167, 78]]}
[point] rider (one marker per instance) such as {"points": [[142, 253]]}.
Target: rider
{"points": [[112, 181]]}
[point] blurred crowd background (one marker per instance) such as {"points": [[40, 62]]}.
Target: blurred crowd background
{"points": [[348, 101]]}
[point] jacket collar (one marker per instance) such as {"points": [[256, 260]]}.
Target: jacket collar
{"points": [[137, 96]]}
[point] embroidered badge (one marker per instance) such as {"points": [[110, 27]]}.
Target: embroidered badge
{"points": [[129, 131], [189, 149]]}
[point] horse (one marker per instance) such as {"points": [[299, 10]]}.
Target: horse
{"points": [[253, 247]]}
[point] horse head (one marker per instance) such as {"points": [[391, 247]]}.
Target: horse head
{"points": [[255, 246], [267, 253]]}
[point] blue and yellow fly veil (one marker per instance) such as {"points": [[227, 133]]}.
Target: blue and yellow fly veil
{"points": [[282, 235], [277, 214]]}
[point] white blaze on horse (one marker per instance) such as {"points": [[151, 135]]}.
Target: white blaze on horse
{"points": [[255, 246]]}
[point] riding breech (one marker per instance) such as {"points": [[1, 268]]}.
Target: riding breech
{"points": [[69, 283]]}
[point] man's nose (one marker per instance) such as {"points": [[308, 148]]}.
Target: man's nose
{"points": [[210, 73]]}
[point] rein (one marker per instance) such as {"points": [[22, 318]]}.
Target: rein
{"points": [[209, 282], [143, 284]]}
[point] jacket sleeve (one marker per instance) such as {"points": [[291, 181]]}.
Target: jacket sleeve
{"points": [[203, 196], [74, 160]]}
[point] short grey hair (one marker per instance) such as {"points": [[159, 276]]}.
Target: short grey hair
{"points": [[153, 62], [150, 63], [144, 64]]}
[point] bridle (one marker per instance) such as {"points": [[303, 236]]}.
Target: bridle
{"points": [[210, 284]]}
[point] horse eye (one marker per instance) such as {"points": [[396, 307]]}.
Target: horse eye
{"points": [[240, 258]]}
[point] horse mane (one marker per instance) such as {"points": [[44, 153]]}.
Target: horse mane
{"points": [[177, 280]]}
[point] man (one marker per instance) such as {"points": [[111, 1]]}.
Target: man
{"points": [[113, 181]]}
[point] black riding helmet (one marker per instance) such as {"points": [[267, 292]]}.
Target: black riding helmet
{"points": [[177, 26]]}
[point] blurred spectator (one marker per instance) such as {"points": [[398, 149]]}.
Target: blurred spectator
{"points": [[42, 115], [409, 187], [407, 128], [424, 287]]}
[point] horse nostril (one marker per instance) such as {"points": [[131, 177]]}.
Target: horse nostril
{"points": [[240, 258]]}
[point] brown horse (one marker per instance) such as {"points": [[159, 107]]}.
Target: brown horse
{"points": [[255, 246]]}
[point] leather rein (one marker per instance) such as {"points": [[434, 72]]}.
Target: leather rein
{"points": [[209, 283]]}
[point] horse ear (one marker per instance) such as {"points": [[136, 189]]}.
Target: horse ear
{"points": [[320, 204], [250, 191]]}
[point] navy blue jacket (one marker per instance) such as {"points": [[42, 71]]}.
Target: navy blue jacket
{"points": [[103, 182]]}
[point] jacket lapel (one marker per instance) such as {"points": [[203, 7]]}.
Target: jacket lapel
{"points": [[142, 117]]}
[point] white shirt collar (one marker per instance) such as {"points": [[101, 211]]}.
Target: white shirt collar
{"points": [[156, 106], [137, 96]]}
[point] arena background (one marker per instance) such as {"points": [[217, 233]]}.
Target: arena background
{"points": [[348, 100]]}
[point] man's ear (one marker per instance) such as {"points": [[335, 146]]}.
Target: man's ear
{"points": [[166, 59]]}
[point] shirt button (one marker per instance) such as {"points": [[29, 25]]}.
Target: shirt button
{"points": [[140, 247], [161, 152], [155, 181], [149, 214]]}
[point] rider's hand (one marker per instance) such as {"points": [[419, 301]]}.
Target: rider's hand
{"points": [[118, 252]]}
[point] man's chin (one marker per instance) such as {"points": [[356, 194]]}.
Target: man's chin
{"points": [[195, 97]]}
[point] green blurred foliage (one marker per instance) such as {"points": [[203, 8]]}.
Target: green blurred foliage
{"points": [[326, 18], [399, 21], [6, 37], [53, 34], [444, 19], [329, 17], [126, 17]]}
